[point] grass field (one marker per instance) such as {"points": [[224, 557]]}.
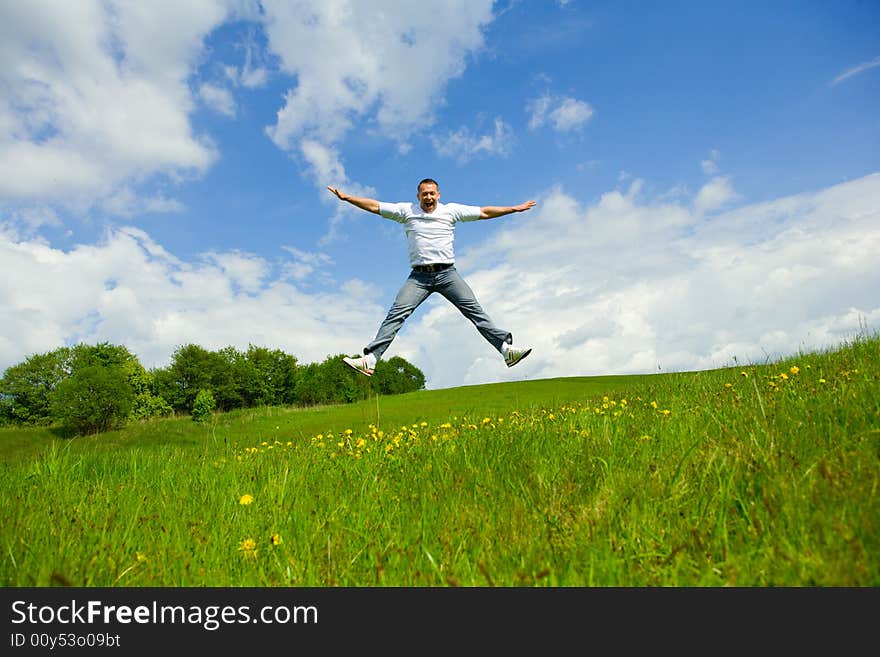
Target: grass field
{"points": [[762, 475]]}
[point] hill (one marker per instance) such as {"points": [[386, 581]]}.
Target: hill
{"points": [[764, 475]]}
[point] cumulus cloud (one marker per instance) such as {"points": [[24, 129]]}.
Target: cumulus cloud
{"points": [[217, 98], [562, 113], [381, 61], [129, 290], [632, 285], [305, 263], [625, 284], [710, 165], [464, 145], [714, 195], [96, 96]]}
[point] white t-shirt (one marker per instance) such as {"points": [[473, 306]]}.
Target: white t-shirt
{"points": [[429, 236]]}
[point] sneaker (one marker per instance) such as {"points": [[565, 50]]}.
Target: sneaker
{"points": [[360, 364], [513, 356]]}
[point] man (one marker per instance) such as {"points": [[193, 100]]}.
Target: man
{"points": [[430, 228]]}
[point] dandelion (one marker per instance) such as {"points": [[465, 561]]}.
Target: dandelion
{"points": [[654, 405], [246, 499], [794, 369], [248, 547]]}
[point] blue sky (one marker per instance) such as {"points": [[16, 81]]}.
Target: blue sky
{"points": [[707, 177]]}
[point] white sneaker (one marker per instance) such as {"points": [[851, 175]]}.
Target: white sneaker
{"points": [[361, 364], [513, 356]]}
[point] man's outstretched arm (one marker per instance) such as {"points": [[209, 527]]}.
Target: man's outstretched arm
{"points": [[368, 204], [492, 211]]}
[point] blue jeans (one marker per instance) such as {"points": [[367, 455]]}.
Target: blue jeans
{"points": [[418, 287]]}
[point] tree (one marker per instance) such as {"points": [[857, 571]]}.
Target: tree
{"points": [[192, 369], [93, 399], [397, 375], [26, 389], [146, 402], [203, 406], [277, 371]]}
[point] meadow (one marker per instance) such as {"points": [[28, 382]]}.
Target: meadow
{"points": [[758, 475]]}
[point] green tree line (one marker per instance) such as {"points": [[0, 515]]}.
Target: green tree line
{"points": [[87, 389]]}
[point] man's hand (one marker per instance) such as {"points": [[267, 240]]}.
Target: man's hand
{"points": [[368, 204], [492, 211]]}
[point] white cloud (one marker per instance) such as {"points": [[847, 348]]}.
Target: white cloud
{"points": [[217, 98], [714, 195], [463, 145], [96, 96], [710, 165], [855, 70], [623, 285], [125, 202], [305, 263], [384, 61], [562, 113], [628, 286], [129, 290]]}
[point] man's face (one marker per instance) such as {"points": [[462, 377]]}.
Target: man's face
{"points": [[428, 196]]}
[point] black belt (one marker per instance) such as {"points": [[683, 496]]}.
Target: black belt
{"points": [[430, 269]]}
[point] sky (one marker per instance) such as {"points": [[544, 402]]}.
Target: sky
{"points": [[707, 177]]}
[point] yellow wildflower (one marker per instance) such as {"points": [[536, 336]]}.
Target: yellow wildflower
{"points": [[249, 547], [794, 369], [246, 499], [276, 539]]}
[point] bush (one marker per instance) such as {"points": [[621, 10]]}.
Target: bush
{"points": [[94, 399], [203, 405]]}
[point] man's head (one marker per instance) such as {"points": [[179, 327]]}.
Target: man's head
{"points": [[428, 194]]}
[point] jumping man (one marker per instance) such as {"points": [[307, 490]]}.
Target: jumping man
{"points": [[430, 231]]}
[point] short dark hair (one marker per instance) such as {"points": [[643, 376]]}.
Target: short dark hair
{"points": [[427, 181]]}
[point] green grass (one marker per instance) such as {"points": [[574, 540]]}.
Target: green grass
{"points": [[762, 475]]}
